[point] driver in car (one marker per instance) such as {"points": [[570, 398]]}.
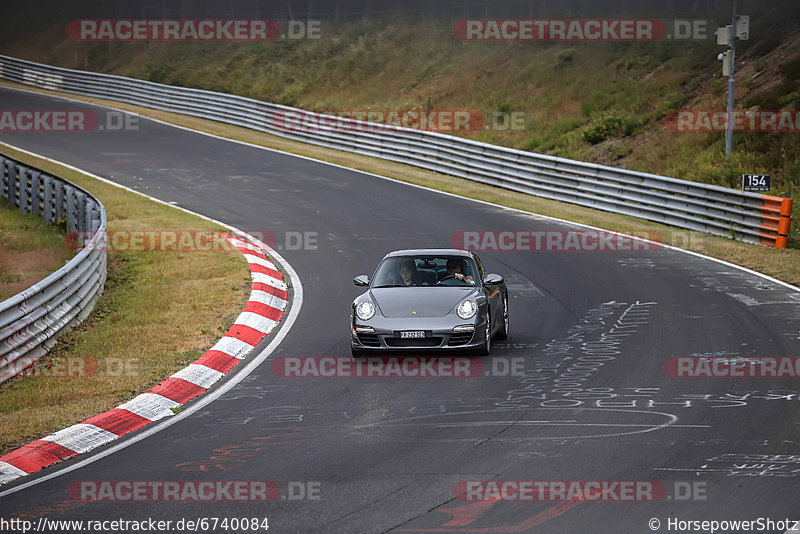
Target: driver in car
{"points": [[454, 270]]}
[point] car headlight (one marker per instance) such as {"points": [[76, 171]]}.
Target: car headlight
{"points": [[365, 310], [467, 309]]}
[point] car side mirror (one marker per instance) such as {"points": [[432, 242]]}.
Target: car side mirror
{"points": [[492, 279], [361, 280]]}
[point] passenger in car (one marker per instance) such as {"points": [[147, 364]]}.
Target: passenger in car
{"points": [[408, 273]]}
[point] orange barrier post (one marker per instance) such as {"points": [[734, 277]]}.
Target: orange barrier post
{"points": [[776, 219]]}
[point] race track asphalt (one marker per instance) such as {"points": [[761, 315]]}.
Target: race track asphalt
{"points": [[384, 454]]}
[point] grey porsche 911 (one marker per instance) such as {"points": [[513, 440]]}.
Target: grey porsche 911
{"points": [[429, 299]]}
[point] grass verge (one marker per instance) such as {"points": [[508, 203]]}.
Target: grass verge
{"points": [[159, 312], [29, 250], [783, 264]]}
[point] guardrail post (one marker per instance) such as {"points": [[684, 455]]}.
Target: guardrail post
{"points": [[59, 202], [12, 182], [95, 219], [3, 179], [23, 190], [36, 193], [80, 212], [47, 202], [71, 209], [85, 235]]}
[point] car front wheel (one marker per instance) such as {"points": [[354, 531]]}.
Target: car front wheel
{"points": [[487, 343], [503, 332]]}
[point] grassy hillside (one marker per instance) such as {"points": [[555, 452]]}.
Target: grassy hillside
{"points": [[599, 102]]}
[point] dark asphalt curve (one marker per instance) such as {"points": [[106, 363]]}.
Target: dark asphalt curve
{"points": [[591, 400]]}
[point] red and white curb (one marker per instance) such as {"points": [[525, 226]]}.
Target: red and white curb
{"points": [[264, 309]]}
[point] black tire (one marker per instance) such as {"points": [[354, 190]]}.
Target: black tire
{"points": [[487, 344], [358, 353], [504, 328]]}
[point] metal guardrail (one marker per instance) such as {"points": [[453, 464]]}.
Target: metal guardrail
{"points": [[745, 216], [31, 320]]}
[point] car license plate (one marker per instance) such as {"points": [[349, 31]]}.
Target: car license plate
{"points": [[412, 333]]}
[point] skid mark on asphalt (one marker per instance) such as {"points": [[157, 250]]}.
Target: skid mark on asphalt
{"points": [[466, 515]]}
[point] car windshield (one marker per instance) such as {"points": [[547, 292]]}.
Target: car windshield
{"points": [[406, 271]]}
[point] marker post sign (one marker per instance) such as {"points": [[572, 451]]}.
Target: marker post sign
{"points": [[755, 182]]}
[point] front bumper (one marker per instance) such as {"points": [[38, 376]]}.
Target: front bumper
{"points": [[441, 333]]}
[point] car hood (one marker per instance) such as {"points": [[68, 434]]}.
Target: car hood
{"points": [[426, 301]]}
